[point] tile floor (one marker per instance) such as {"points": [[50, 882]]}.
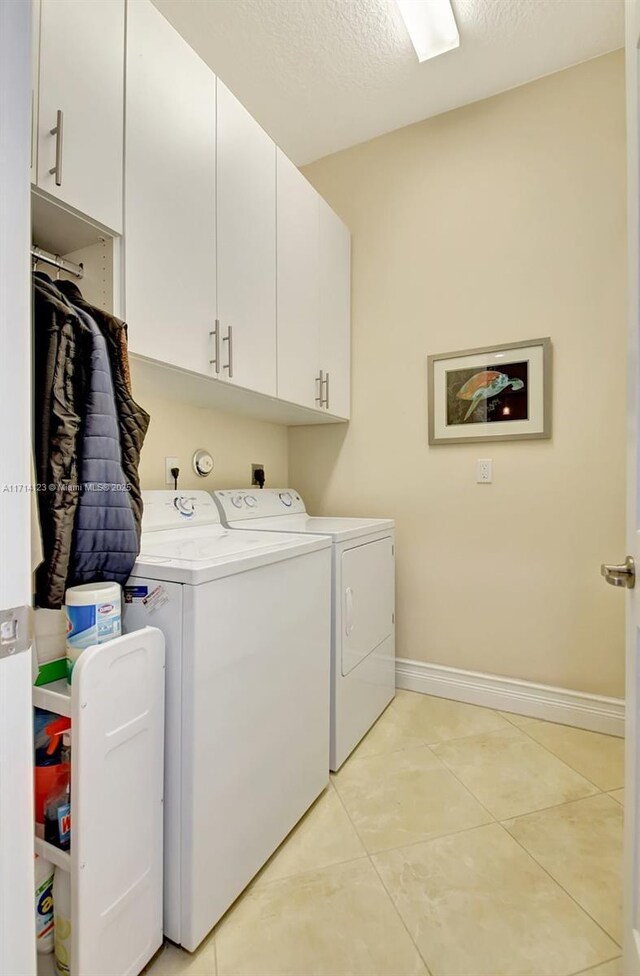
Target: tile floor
{"points": [[456, 841]]}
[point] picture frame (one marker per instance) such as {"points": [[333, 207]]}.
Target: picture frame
{"points": [[492, 393]]}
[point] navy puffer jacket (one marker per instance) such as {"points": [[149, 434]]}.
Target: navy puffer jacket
{"points": [[105, 542], [134, 419]]}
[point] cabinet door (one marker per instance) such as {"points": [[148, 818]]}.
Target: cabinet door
{"points": [[367, 588], [170, 172], [335, 310], [298, 286], [82, 85], [246, 218]]}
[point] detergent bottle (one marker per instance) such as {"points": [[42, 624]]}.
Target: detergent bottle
{"points": [[62, 917], [44, 904], [57, 805]]}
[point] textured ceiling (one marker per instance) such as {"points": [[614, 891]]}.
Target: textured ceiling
{"points": [[321, 75]]}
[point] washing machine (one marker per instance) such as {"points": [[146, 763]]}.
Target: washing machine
{"points": [[246, 618], [363, 605]]}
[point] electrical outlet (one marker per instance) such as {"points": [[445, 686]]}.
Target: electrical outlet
{"points": [[484, 471], [254, 468], [170, 462]]}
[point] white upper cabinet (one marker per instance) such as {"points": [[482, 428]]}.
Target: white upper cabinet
{"points": [[246, 219], [81, 98], [170, 194], [233, 267], [334, 262], [298, 287], [314, 297]]}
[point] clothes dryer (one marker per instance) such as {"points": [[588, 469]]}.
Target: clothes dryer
{"points": [[363, 604]]}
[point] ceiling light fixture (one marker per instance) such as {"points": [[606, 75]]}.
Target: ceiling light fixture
{"points": [[431, 25]]}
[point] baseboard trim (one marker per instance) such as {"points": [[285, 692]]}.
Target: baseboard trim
{"points": [[593, 712]]}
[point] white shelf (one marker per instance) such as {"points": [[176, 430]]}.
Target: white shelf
{"points": [[207, 391], [58, 228], [55, 697], [61, 859]]}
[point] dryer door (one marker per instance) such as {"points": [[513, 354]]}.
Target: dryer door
{"points": [[367, 600]]}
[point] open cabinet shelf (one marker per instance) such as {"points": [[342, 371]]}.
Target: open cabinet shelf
{"points": [[116, 706], [61, 859], [57, 229], [55, 697]]}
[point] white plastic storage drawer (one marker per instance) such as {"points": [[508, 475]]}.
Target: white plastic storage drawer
{"points": [[116, 705]]}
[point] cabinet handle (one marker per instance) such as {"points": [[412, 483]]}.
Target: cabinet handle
{"points": [[326, 391], [320, 381], [58, 132], [229, 338], [216, 347]]}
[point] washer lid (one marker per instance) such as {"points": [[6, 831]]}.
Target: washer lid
{"points": [[338, 529], [205, 547], [199, 553]]}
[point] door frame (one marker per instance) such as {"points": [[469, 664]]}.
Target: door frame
{"points": [[17, 917], [631, 879]]}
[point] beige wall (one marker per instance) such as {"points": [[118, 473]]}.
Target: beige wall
{"points": [[178, 429], [501, 221]]}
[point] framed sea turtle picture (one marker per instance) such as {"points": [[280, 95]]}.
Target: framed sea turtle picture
{"points": [[495, 393]]}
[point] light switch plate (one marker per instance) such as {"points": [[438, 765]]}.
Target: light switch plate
{"points": [[484, 471]]}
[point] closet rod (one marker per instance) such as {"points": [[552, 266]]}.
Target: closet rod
{"points": [[39, 254]]}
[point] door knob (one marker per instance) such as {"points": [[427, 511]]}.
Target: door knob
{"points": [[624, 575]]}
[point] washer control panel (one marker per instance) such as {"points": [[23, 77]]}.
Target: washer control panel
{"points": [[174, 509], [239, 503]]}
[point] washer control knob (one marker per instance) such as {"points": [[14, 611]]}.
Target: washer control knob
{"points": [[236, 501], [250, 501], [184, 506], [286, 498]]}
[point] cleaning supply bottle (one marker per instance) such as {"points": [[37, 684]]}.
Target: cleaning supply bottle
{"points": [[62, 918], [51, 770], [47, 729], [57, 807], [44, 874]]}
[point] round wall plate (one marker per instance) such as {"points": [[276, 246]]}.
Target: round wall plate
{"points": [[202, 463]]}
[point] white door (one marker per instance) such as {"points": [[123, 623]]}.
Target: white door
{"points": [[631, 966], [35, 74], [367, 573], [298, 287], [82, 99], [170, 194], [17, 932], [335, 310], [246, 217]]}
